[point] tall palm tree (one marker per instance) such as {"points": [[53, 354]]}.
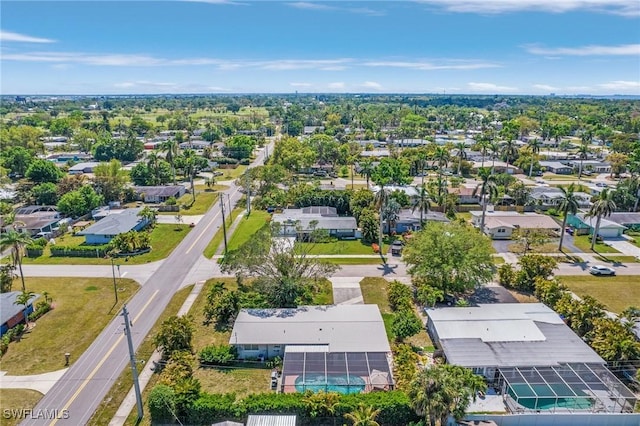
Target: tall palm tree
{"points": [[509, 150], [189, 156], [534, 145], [380, 201], [441, 156], [363, 415], [153, 164], [171, 148], [16, 241], [603, 207], [494, 148], [583, 153], [461, 154], [23, 299], [568, 205], [366, 169], [422, 203], [487, 186], [484, 145]]}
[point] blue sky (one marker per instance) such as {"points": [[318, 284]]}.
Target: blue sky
{"points": [[244, 46]]}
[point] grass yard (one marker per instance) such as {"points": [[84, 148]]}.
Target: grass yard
{"points": [[16, 399], [342, 247], [497, 260], [523, 297], [82, 308], [584, 243], [247, 227], [231, 174], [616, 293], [164, 238], [215, 242], [354, 260], [241, 381], [544, 248], [110, 404], [617, 259], [204, 201]]}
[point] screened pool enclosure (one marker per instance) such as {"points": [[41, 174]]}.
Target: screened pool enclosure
{"points": [[568, 387]]}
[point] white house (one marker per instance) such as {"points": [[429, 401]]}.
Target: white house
{"points": [[301, 222], [500, 225]]}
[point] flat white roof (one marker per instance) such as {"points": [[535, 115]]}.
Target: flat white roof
{"points": [[344, 328]]}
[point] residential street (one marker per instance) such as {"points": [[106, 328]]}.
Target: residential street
{"points": [[89, 379]]}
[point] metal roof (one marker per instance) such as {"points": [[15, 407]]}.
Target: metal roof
{"points": [[115, 224], [297, 217], [162, 191], [8, 308], [262, 420], [345, 328]]}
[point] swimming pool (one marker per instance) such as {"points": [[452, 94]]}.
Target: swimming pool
{"points": [[344, 384], [542, 397]]}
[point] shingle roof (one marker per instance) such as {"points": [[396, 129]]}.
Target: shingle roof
{"points": [[115, 224], [8, 308], [162, 191]]}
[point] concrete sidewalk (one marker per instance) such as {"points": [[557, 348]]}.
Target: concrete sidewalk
{"points": [[38, 382]]}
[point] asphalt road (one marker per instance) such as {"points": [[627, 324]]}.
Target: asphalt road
{"points": [[90, 377]]}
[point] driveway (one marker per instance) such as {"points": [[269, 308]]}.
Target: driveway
{"points": [[623, 246], [346, 290], [492, 294]]}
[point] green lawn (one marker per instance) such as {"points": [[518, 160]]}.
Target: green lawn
{"points": [[497, 260], [215, 242], [16, 399], [616, 293], [241, 381], [82, 308], [342, 247], [617, 259], [248, 226], [231, 174], [354, 260], [204, 201], [164, 238], [584, 243], [110, 404]]}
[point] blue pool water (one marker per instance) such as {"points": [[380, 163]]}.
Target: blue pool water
{"points": [[334, 383]]}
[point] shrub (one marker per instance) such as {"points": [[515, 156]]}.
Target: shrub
{"points": [[41, 309], [245, 161], [79, 251], [506, 275], [162, 404], [171, 201], [217, 354], [209, 408], [4, 345], [553, 212], [405, 324], [400, 296], [405, 362]]}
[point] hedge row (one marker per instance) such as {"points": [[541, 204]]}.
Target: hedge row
{"points": [[395, 407], [79, 251]]}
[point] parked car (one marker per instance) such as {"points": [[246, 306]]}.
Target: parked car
{"points": [[568, 230], [601, 185], [601, 270]]}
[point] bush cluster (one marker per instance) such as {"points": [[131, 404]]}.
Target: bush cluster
{"points": [[217, 354], [79, 251], [41, 309]]}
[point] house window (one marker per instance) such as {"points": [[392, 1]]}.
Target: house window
{"points": [[251, 347], [501, 230], [276, 348]]}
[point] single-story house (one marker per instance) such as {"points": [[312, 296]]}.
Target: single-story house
{"points": [[195, 144], [466, 195], [410, 191], [628, 219], [373, 142], [592, 165], [80, 168], [271, 420], [548, 196], [529, 356], [301, 222], [376, 153], [12, 314], [608, 228], [69, 156], [106, 229], [158, 194], [498, 166], [557, 167], [409, 220], [310, 130], [410, 143], [37, 219], [342, 348], [500, 225]]}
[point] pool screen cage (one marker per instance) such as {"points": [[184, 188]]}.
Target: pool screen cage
{"points": [[568, 388], [342, 372]]}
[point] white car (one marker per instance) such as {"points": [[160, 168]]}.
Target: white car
{"points": [[601, 270]]}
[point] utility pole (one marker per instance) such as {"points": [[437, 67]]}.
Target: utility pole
{"points": [[132, 358], [224, 224], [248, 187], [115, 286]]}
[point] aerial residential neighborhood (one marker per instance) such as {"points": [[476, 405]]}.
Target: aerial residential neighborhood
{"points": [[206, 230]]}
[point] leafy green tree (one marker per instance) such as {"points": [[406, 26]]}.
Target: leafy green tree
{"points": [[443, 390], [391, 171], [175, 335], [45, 194], [614, 341], [16, 159], [602, 207], [7, 275], [400, 296], [79, 202], [568, 205], [41, 171], [239, 146], [110, 180], [405, 324], [532, 238], [548, 291], [15, 241], [222, 306], [369, 226], [360, 200], [579, 314], [451, 257], [217, 354], [363, 415], [162, 404], [532, 267], [321, 404]]}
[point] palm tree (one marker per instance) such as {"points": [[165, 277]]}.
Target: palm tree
{"points": [[583, 153], [422, 203], [484, 145], [23, 299], [16, 241], [363, 415], [487, 186], [494, 148], [148, 214], [390, 214], [461, 154], [153, 164], [189, 156], [534, 145], [366, 169], [441, 156], [509, 150], [603, 207], [171, 148], [380, 201], [568, 205]]}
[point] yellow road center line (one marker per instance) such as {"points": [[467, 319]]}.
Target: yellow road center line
{"points": [[103, 360], [202, 233]]}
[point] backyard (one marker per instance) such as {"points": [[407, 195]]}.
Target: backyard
{"points": [[82, 308], [616, 293], [164, 238]]}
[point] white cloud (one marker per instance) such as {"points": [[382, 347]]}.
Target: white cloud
{"points": [[616, 7], [325, 7], [310, 6], [545, 87], [429, 66], [301, 84], [145, 84], [372, 85], [623, 86], [298, 64], [490, 88], [336, 86], [6, 36], [593, 50]]}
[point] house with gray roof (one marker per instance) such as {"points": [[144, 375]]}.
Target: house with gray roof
{"points": [[106, 229], [586, 225], [302, 222], [12, 314], [557, 167], [81, 168], [158, 194]]}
